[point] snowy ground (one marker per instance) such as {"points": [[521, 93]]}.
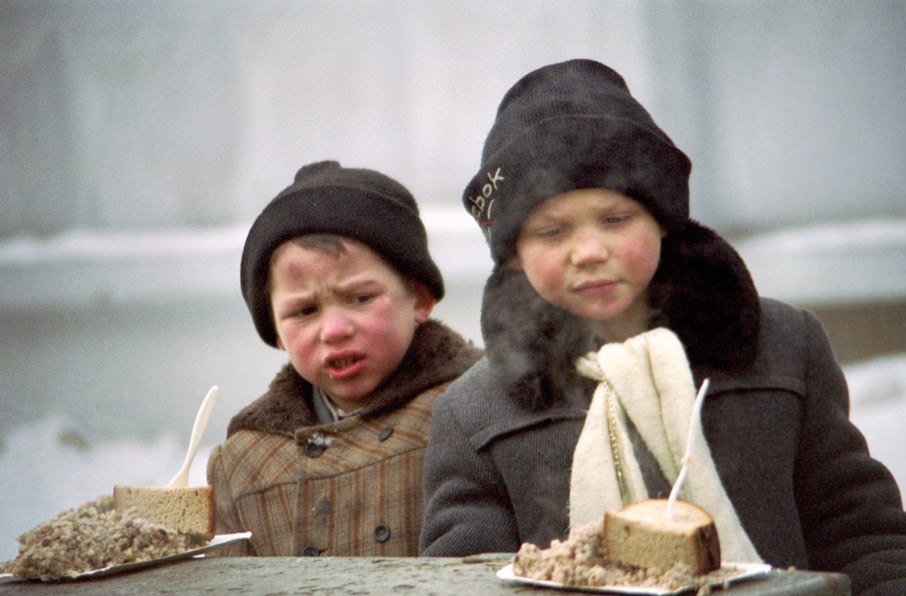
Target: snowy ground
{"points": [[47, 468], [878, 392]]}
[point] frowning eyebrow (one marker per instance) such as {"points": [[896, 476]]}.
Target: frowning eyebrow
{"points": [[347, 288], [355, 285]]}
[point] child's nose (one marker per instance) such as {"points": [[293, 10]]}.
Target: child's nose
{"points": [[590, 247], [336, 325]]}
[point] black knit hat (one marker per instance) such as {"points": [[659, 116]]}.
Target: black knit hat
{"points": [[567, 126], [361, 204]]}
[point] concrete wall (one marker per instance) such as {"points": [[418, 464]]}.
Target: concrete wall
{"points": [[139, 139]]}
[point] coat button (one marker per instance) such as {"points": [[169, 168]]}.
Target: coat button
{"points": [[381, 533], [385, 433], [323, 508], [313, 449], [310, 551]]}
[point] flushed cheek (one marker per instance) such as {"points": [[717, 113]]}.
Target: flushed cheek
{"points": [[304, 357], [301, 345], [642, 262], [545, 281], [546, 274]]}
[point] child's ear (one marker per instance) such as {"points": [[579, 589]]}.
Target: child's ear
{"points": [[280, 345], [424, 301]]}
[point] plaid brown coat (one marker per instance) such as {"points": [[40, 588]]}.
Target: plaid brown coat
{"points": [[351, 488]]}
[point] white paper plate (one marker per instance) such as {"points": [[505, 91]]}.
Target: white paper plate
{"points": [[745, 571], [215, 543]]}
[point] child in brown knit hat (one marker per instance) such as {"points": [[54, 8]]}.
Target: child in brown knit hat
{"points": [[336, 272]]}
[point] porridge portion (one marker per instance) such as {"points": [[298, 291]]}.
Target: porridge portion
{"points": [[94, 536], [581, 561]]}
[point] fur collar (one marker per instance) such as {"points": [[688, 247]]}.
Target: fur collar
{"points": [[437, 355], [702, 291]]}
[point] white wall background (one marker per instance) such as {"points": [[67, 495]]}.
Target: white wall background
{"points": [[140, 138]]}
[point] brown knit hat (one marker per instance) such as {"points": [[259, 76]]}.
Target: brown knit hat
{"points": [[357, 203]]}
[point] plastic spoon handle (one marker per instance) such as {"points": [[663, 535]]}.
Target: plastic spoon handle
{"points": [[694, 425], [201, 423]]}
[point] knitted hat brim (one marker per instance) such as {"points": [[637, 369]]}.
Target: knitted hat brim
{"points": [[564, 153]]}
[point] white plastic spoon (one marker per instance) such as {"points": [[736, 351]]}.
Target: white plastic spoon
{"points": [[201, 423], [694, 425]]}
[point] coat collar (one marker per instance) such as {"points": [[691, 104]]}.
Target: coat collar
{"points": [[702, 291], [437, 355]]}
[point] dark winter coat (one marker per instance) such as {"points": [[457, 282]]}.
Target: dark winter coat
{"points": [[349, 488], [776, 419]]}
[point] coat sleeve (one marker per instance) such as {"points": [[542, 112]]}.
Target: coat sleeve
{"points": [[850, 506], [467, 509], [226, 517]]}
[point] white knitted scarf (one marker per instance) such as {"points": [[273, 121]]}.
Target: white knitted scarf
{"points": [[649, 380]]}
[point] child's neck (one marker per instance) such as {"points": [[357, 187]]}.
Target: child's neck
{"points": [[635, 320], [618, 333]]}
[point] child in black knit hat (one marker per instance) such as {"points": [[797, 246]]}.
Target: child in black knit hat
{"points": [[336, 272], [607, 309]]}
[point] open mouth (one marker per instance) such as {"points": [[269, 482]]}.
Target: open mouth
{"points": [[340, 363], [345, 367]]}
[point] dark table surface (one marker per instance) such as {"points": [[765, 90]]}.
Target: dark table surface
{"points": [[472, 576]]}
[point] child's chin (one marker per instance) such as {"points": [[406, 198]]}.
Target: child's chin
{"points": [[357, 394]]}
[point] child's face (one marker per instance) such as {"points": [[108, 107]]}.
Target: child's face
{"points": [[593, 253], [345, 320]]}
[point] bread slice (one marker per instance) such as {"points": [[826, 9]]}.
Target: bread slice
{"points": [[641, 535], [188, 510]]}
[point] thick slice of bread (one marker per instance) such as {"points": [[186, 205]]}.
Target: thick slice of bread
{"points": [[641, 535], [189, 510]]}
